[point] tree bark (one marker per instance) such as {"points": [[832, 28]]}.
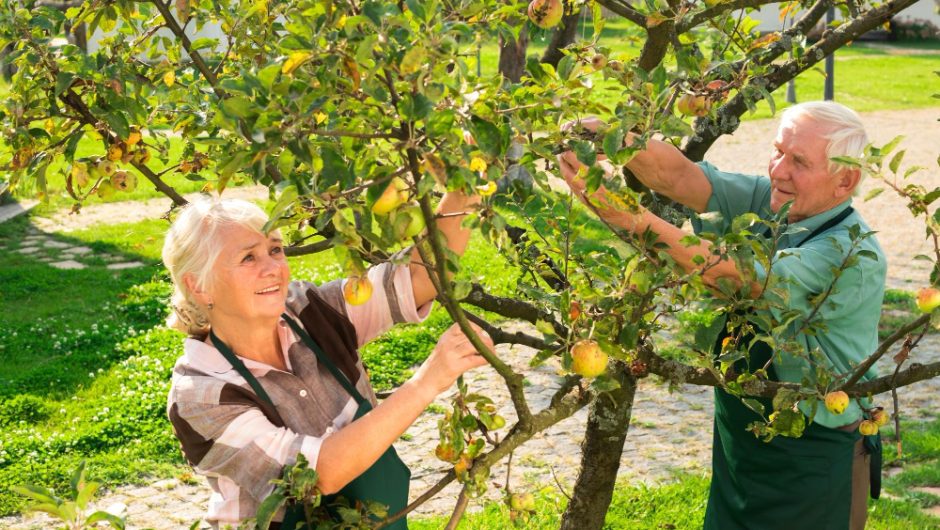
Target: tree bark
{"points": [[600, 456], [512, 56], [562, 37]]}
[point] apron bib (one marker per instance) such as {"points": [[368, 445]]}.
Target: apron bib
{"points": [[386, 481], [783, 484]]}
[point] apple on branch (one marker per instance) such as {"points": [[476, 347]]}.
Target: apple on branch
{"points": [[587, 359], [546, 13], [357, 290]]}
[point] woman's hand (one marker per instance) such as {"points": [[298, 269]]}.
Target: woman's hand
{"points": [[452, 356]]}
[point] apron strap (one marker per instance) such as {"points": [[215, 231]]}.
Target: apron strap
{"points": [[322, 357], [828, 224], [243, 371]]}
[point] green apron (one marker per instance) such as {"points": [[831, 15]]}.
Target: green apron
{"points": [[785, 484], [385, 482]]}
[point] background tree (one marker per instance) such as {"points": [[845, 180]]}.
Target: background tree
{"points": [[356, 114]]}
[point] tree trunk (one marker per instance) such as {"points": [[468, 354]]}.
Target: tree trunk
{"points": [[563, 36], [600, 457], [512, 56]]}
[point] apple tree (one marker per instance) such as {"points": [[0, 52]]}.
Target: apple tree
{"points": [[357, 114]]}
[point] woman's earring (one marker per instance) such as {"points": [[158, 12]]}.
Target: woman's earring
{"points": [[211, 305]]}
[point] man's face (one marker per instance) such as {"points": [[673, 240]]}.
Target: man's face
{"points": [[799, 171]]}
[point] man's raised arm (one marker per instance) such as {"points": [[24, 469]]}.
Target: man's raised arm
{"points": [[664, 169]]}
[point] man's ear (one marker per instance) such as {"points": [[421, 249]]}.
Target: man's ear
{"points": [[848, 180], [192, 286]]}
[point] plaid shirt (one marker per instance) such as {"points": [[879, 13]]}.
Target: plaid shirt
{"points": [[220, 422]]}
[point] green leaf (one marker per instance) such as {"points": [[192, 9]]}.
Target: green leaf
{"points": [[440, 123], [873, 193], [613, 144], [205, 42], [888, 147], [238, 107], [118, 123], [86, 493], [63, 80], [268, 508], [113, 520], [847, 160], [896, 161], [487, 135], [585, 152]]}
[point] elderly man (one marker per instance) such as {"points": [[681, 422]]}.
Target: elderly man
{"points": [[821, 479]]}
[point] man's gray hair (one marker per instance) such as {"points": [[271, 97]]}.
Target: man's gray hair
{"points": [[846, 136]]}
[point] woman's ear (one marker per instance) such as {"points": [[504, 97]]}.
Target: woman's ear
{"points": [[200, 296]]}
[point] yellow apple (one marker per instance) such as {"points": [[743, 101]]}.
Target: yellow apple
{"points": [[837, 401], [115, 152], [880, 417], [409, 222], [394, 195], [357, 290], [599, 61], [928, 299], [124, 181], [522, 502], [105, 189], [106, 167], [587, 359], [133, 138], [546, 13], [868, 428], [692, 105]]}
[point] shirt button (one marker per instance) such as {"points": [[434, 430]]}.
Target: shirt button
{"points": [[303, 393], [329, 430]]}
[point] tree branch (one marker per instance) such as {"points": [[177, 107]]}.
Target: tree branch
{"points": [[727, 118], [687, 23], [626, 11], [883, 347]]}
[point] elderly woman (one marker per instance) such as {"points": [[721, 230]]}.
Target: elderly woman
{"points": [[271, 367]]}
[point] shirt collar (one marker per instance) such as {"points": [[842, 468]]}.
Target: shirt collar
{"points": [[204, 357], [796, 233]]}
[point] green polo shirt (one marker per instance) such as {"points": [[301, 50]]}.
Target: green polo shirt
{"points": [[850, 313]]}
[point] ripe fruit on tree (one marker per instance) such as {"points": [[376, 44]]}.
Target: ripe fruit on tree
{"points": [[141, 156], [720, 89], [546, 13], [574, 310], [409, 222], [124, 181], [394, 195], [598, 61], [880, 417], [868, 428], [837, 402], [357, 290], [928, 299], [522, 502], [693, 105], [105, 189], [587, 359], [133, 137], [105, 167], [115, 152]]}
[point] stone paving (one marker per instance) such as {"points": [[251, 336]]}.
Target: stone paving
{"points": [[64, 255]]}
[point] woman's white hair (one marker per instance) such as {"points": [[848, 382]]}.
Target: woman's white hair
{"points": [[846, 136], [192, 246]]}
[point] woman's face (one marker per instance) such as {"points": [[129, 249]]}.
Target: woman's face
{"points": [[250, 276]]}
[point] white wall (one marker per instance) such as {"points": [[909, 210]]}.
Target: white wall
{"points": [[769, 15]]}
